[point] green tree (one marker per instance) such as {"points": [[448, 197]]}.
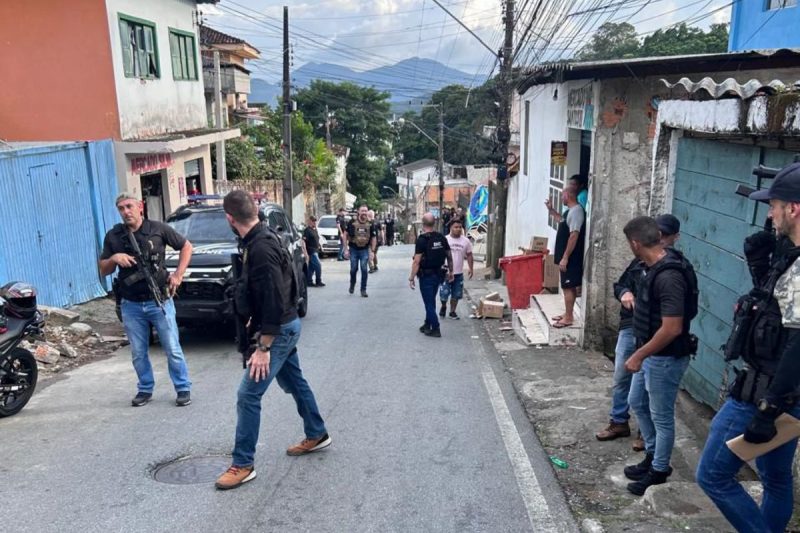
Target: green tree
{"points": [[361, 122], [683, 40], [242, 161], [613, 40]]}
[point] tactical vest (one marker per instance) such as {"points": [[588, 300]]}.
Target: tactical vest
{"points": [[154, 260], [362, 232], [645, 317], [435, 255]]}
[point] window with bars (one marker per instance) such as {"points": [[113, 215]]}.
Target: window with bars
{"points": [[139, 48], [780, 4], [184, 53]]}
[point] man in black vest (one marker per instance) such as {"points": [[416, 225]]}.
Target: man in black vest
{"points": [[569, 254], [430, 254], [768, 383], [662, 312], [360, 241], [266, 296], [138, 306]]}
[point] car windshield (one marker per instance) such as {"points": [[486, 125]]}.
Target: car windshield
{"points": [[327, 222], [203, 226]]}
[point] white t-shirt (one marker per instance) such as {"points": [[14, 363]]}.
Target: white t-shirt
{"points": [[460, 248], [787, 293]]}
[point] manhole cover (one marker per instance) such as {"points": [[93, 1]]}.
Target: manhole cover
{"points": [[192, 469]]}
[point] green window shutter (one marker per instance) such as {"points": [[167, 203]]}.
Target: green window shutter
{"points": [[151, 65], [175, 52], [127, 51], [184, 66], [192, 58]]}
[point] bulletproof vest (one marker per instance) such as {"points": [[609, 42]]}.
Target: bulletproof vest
{"points": [[435, 254], [361, 233], [646, 316], [758, 335], [154, 259]]}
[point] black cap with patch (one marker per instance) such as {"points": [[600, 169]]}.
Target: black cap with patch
{"points": [[668, 224], [785, 186]]}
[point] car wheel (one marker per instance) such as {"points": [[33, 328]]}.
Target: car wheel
{"points": [[302, 305]]}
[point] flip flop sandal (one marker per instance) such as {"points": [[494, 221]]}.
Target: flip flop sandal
{"points": [[559, 325]]}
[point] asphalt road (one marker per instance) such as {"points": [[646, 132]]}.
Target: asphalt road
{"points": [[427, 434]]}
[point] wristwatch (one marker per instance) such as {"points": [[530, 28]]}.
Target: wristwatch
{"points": [[766, 408], [262, 347]]}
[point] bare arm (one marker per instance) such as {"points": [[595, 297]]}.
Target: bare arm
{"points": [[470, 263], [671, 328], [108, 266], [571, 243], [414, 270]]}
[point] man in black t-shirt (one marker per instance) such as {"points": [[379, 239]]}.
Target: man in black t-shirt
{"points": [[139, 309], [431, 252], [660, 322], [341, 223], [311, 242]]}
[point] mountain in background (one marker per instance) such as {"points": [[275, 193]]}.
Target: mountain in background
{"points": [[411, 79]]}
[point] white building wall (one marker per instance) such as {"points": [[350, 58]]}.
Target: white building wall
{"points": [[153, 107]]}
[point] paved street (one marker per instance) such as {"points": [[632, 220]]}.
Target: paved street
{"points": [[428, 434]]}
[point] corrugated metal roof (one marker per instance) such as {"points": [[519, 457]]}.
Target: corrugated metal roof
{"points": [[731, 87]]}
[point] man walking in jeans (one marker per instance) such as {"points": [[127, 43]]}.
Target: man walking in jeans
{"points": [[460, 248], [311, 242], [360, 241], [430, 254], [139, 309], [663, 309], [267, 293]]}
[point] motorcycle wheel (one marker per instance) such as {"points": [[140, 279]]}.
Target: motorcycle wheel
{"points": [[19, 368]]}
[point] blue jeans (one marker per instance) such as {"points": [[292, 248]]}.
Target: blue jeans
{"points": [[428, 287], [453, 290], [359, 256], [284, 365], [716, 474], [137, 317], [654, 390], [341, 249], [314, 267], [626, 345]]}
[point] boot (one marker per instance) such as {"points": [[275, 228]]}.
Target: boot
{"points": [[614, 431], [639, 471], [638, 444], [443, 310], [652, 477]]}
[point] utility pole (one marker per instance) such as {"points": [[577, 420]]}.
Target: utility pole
{"points": [[441, 167], [328, 127], [220, 146], [499, 191], [287, 119]]}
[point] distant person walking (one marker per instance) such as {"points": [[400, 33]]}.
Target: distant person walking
{"points": [[311, 241], [389, 224], [360, 240], [460, 248], [431, 252], [373, 260], [341, 223]]}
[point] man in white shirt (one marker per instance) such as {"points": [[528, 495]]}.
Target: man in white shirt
{"points": [[461, 248]]}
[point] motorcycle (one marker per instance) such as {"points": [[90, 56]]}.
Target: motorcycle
{"points": [[19, 319]]}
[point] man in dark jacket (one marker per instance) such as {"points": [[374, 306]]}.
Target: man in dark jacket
{"points": [[268, 291], [431, 253]]}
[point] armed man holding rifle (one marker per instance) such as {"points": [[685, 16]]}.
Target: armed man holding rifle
{"points": [[144, 291]]}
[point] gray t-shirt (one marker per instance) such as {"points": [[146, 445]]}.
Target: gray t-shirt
{"points": [[787, 292], [575, 218]]}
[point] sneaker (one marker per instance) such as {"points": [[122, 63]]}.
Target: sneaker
{"points": [[235, 476], [614, 431], [434, 333], [371, 271], [639, 471], [454, 315], [443, 311], [184, 398], [309, 446], [638, 444], [141, 399], [364, 294], [652, 477], [352, 289], [424, 328], [320, 284]]}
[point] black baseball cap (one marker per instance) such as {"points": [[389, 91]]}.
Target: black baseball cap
{"points": [[668, 224], [785, 186]]}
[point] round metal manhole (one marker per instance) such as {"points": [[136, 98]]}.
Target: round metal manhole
{"points": [[192, 469]]}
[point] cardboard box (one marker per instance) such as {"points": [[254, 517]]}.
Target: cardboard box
{"points": [[788, 429], [492, 297], [538, 244], [490, 309], [552, 275]]}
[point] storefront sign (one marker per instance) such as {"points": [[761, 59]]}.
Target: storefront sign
{"points": [[150, 163], [558, 153], [580, 108]]}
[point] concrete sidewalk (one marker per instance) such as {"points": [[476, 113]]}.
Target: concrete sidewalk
{"points": [[566, 394]]}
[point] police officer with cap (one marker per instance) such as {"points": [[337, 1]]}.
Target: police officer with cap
{"points": [[766, 335], [670, 228], [430, 254], [139, 306]]}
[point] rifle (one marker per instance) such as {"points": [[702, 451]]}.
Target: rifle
{"points": [[243, 341], [141, 265], [744, 190]]}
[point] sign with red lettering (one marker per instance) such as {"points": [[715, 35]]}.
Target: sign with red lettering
{"points": [[150, 163]]}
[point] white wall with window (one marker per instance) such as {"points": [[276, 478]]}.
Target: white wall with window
{"points": [[156, 59]]}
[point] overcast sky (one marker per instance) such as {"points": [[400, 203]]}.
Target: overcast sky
{"points": [[365, 34]]}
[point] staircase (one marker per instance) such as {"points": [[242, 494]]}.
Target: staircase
{"points": [[534, 325]]}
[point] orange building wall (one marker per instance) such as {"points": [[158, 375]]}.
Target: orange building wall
{"points": [[56, 74]]}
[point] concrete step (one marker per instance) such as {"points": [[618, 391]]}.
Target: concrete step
{"points": [[527, 327], [545, 307]]}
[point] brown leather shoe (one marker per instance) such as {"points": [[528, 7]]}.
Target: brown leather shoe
{"points": [[235, 476], [638, 444], [614, 431], [310, 445]]}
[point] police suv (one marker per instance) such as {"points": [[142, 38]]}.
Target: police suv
{"points": [[201, 298]]}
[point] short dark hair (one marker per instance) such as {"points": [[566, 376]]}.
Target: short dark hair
{"points": [[643, 230], [240, 205], [457, 220], [581, 180]]}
